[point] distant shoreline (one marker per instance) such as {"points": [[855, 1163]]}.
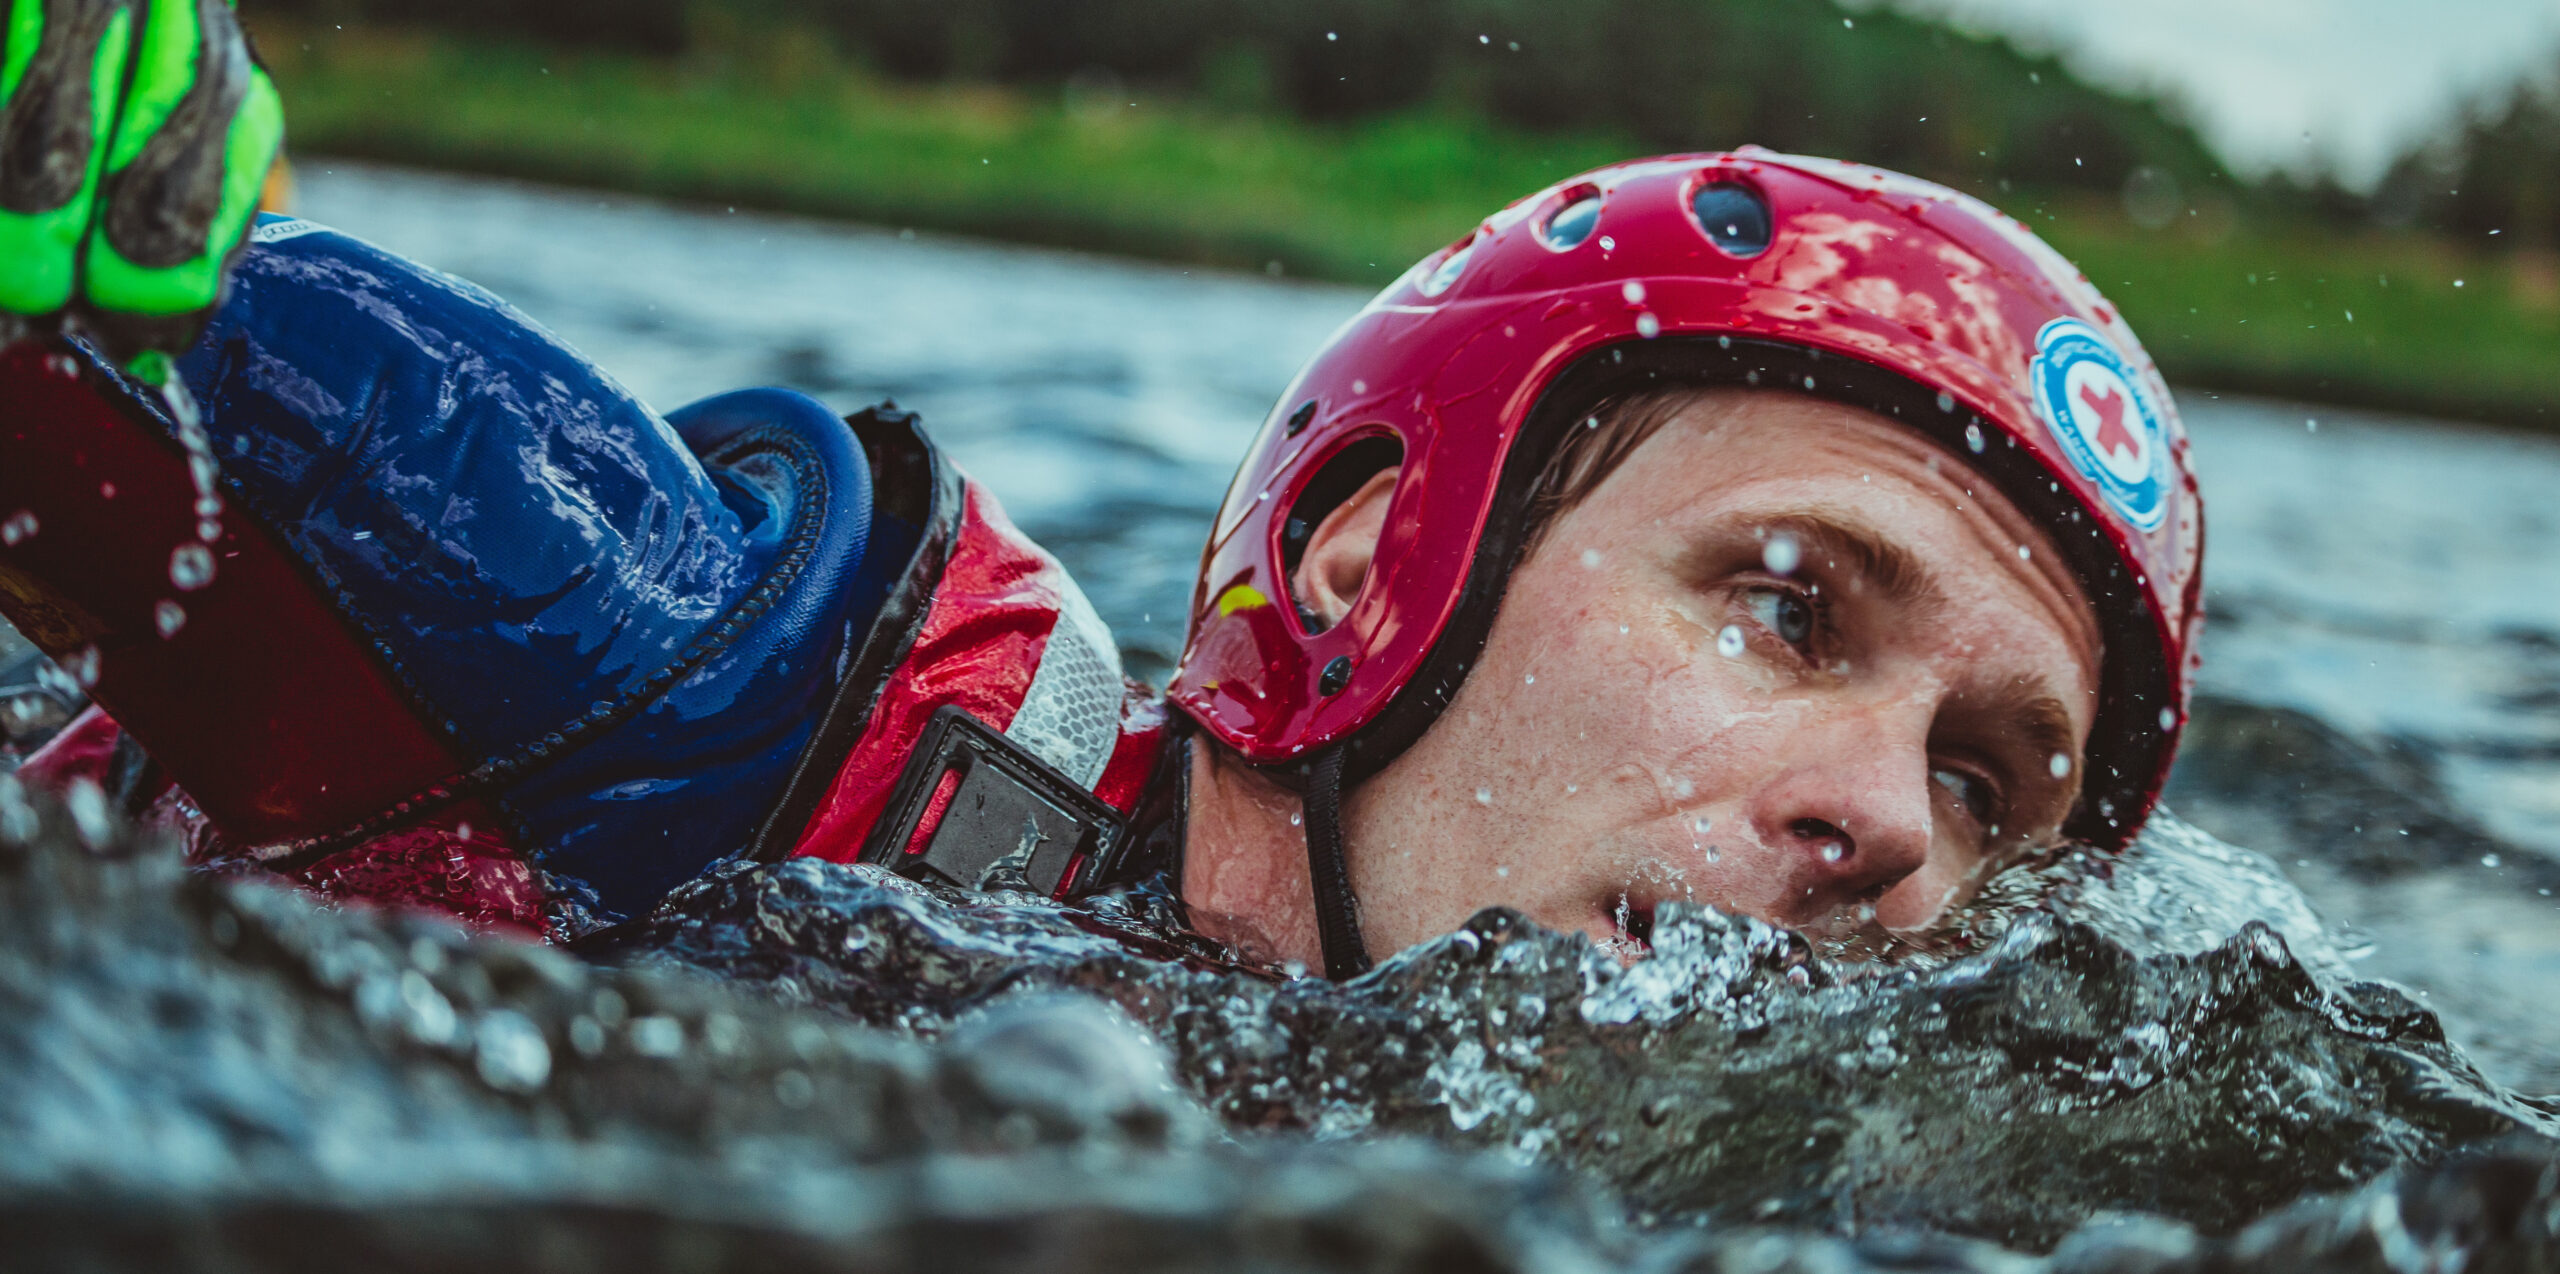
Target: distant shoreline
{"points": [[2303, 311]]}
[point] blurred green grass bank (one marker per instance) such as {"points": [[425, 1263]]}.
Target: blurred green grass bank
{"points": [[2286, 288]]}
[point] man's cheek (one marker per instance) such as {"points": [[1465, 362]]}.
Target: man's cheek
{"points": [[1925, 894], [1720, 741]]}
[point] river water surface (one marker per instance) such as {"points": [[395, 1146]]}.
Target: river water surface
{"points": [[2381, 720]]}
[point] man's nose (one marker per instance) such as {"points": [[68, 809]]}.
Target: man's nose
{"points": [[1852, 815]]}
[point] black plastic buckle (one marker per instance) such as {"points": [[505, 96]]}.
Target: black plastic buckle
{"points": [[1013, 821]]}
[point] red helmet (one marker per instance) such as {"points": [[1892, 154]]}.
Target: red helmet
{"points": [[1846, 282]]}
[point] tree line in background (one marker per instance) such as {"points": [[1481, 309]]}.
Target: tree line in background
{"points": [[1804, 75], [1801, 75], [2498, 174]]}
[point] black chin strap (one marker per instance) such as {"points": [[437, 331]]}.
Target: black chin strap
{"points": [[1337, 912]]}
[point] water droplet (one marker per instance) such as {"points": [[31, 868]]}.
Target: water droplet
{"points": [[1729, 641], [2059, 765], [1501, 871], [1833, 851], [510, 1052], [1608, 244], [2168, 718], [190, 567], [1591, 557], [1782, 554], [1484, 796], [2024, 554], [1529, 680], [1946, 401], [18, 527], [2311, 424], [1359, 387], [209, 530], [1702, 825], [168, 617], [82, 665], [1297, 820], [462, 830], [1973, 438], [2488, 860], [657, 1036], [1713, 854], [1683, 788], [88, 805], [1633, 291], [1647, 326]]}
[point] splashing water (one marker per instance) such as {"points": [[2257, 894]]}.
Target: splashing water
{"points": [[2187, 973], [942, 1072], [187, 426], [82, 667], [190, 567]]}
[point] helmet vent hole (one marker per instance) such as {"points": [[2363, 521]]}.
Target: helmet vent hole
{"points": [[1734, 216], [1445, 275], [1337, 674], [1572, 225], [1336, 482], [1304, 416]]}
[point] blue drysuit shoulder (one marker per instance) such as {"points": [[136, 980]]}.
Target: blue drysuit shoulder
{"points": [[626, 620]]}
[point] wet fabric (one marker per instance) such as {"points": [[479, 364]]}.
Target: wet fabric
{"points": [[640, 609], [1008, 637]]}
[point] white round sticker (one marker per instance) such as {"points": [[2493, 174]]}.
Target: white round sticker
{"points": [[2096, 409]]}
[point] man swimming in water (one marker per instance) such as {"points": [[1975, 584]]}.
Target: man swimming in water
{"points": [[1775, 533]]}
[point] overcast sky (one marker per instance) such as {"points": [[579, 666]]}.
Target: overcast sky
{"points": [[2272, 81]]}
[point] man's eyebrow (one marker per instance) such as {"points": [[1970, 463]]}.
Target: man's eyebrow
{"points": [[2038, 718], [1880, 563]]}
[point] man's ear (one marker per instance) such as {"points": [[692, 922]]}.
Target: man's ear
{"points": [[1336, 561]]}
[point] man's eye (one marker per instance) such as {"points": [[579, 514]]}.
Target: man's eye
{"points": [[1784, 613], [1972, 791]]}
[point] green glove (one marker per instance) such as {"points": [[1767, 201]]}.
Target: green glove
{"points": [[134, 138]]}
